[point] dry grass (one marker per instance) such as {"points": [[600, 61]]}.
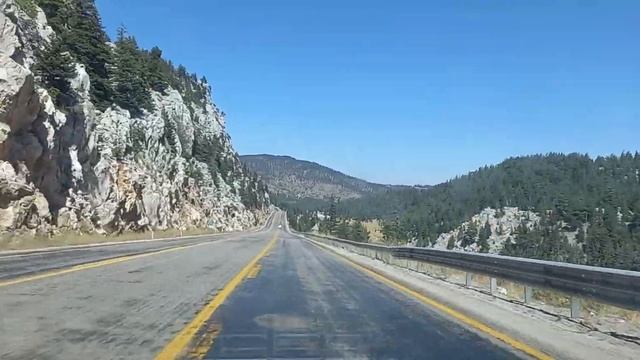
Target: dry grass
{"points": [[29, 241], [375, 231]]}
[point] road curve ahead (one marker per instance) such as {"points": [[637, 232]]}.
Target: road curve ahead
{"points": [[252, 295], [306, 303]]}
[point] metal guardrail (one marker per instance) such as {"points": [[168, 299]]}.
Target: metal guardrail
{"points": [[616, 287]]}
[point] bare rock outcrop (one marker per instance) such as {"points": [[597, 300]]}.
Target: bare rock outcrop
{"points": [[81, 169]]}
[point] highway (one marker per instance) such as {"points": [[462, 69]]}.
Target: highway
{"points": [[253, 295], [308, 303]]}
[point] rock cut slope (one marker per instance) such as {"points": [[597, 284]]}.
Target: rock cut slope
{"points": [[77, 167]]}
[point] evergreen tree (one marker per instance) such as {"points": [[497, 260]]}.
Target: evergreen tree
{"points": [[451, 243], [131, 91], [358, 232], [87, 43], [601, 195], [332, 217], [483, 238], [55, 68], [469, 235], [342, 230], [156, 70]]}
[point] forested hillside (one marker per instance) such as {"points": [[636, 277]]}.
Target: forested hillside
{"points": [[588, 209], [305, 179]]}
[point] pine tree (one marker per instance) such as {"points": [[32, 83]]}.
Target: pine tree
{"points": [[87, 43], [469, 235], [332, 220], [55, 68], [483, 238], [131, 91], [342, 229], [358, 232], [158, 78], [451, 243]]}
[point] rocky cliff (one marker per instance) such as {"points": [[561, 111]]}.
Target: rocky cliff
{"points": [[79, 168]]}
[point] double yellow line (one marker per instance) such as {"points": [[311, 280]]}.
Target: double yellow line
{"points": [[181, 342]]}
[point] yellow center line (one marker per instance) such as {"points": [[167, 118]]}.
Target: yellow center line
{"points": [[183, 339], [254, 271], [478, 325], [94, 265], [199, 351]]}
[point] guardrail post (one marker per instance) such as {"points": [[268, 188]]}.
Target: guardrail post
{"points": [[528, 294], [468, 279], [493, 285], [576, 307]]}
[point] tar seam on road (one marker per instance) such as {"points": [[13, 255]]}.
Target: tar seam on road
{"points": [[478, 325], [178, 345], [93, 265]]}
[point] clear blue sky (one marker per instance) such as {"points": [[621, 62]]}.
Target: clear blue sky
{"points": [[407, 91]]}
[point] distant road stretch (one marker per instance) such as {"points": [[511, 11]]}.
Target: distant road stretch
{"points": [[252, 295]]}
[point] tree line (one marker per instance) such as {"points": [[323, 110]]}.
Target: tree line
{"points": [[597, 199], [328, 223]]}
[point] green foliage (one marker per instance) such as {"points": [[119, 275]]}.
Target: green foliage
{"points": [[483, 237], [451, 243], [575, 190], [85, 40], [358, 232], [252, 190], [342, 229], [138, 139], [129, 80], [545, 243], [393, 232], [330, 222], [210, 150], [28, 6], [469, 235], [156, 70], [302, 221], [305, 220], [169, 135], [55, 68]]}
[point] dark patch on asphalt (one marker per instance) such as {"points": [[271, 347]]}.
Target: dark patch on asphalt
{"points": [[306, 303]]}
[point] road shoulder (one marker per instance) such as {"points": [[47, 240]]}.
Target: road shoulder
{"points": [[556, 336]]}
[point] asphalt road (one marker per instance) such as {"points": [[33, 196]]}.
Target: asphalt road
{"points": [[301, 302], [37, 261], [126, 310], [309, 304]]}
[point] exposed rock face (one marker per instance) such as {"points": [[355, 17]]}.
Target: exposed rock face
{"points": [[503, 223], [81, 169]]}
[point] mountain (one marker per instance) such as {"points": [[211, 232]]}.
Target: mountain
{"points": [[561, 207], [305, 179], [104, 136]]}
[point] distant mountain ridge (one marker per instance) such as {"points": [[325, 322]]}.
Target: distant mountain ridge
{"points": [[295, 178]]}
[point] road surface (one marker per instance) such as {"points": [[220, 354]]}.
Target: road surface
{"points": [[297, 302]]}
